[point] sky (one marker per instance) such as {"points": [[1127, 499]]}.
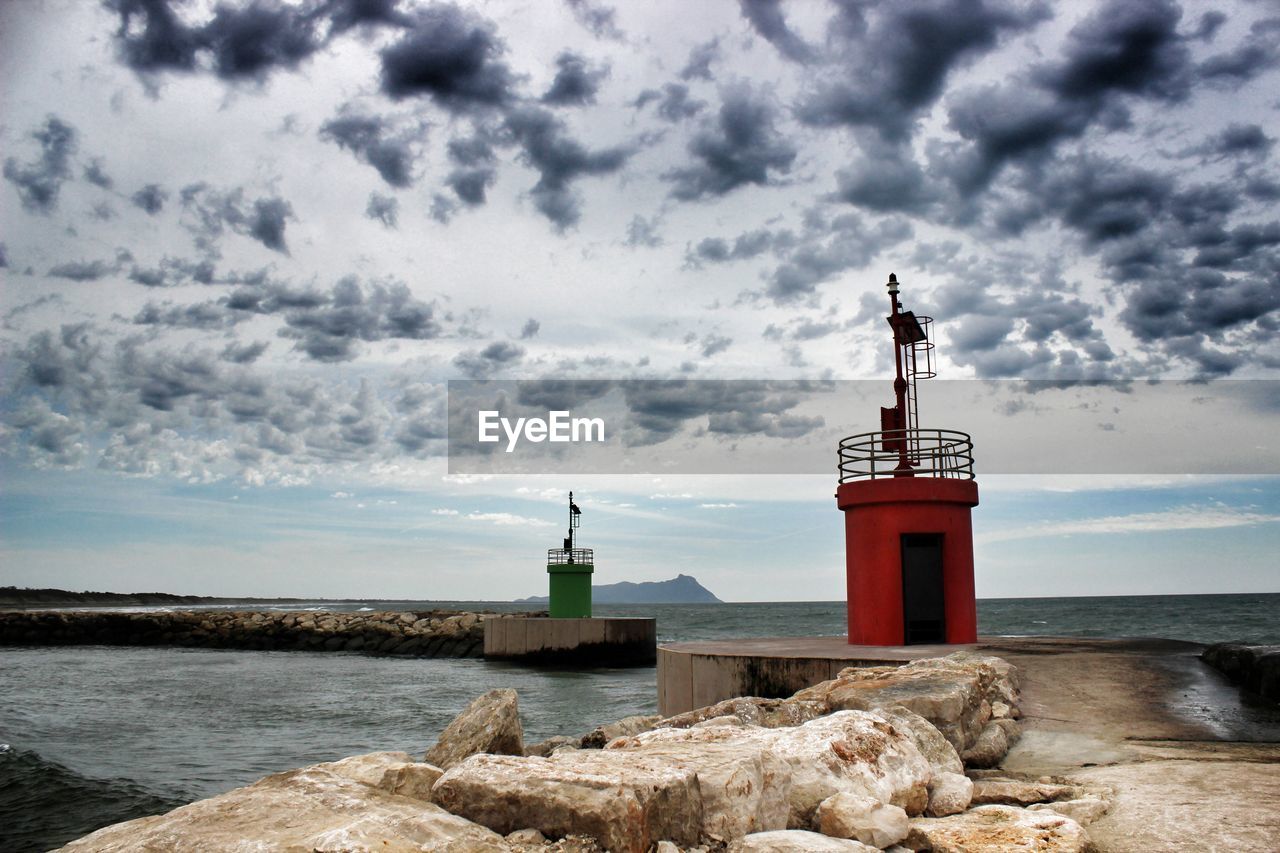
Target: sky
{"points": [[245, 246]]}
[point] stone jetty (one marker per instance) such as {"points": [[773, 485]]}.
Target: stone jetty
{"points": [[423, 633], [1254, 667], [877, 758]]}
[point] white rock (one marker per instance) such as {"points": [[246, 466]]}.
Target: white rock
{"points": [[666, 847], [313, 809], [853, 751], [862, 818], [950, 793], [490, 724], [1084, 810], [989, 749], [797, 841], [625, 801], [396, 772], [998, 828]]}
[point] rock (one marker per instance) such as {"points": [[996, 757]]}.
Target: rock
{"points": [[852, 751], [935, 748], [665, 847], [862, 818], [951, 692], [601, 735], [989, 749], [627, 802], [1011, 792], [395, 772], [767, 713], [526, 837], [313, 809], [995, 829], [949, 793], [1083, 811], [1256, 667], [1000, 711], [797, 841], [491, 723], [544, 748]]}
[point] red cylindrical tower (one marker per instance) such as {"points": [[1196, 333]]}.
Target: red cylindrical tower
{"points": [[907, 494]]}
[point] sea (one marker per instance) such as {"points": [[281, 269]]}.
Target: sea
{"points": [[93, 735]]}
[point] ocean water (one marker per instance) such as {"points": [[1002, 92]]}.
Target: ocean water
{"points": [[94, 735]]}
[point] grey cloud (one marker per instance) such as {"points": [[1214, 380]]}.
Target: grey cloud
{"points": [[96, 174], [890, 182], [676, 105], [1259, 52], [345, 14], [383, 208], [530, 329], [712, 344], [498, 355], [211, 211], [451, 56], [658, 410], [893, 61], [53, 439], [766, 18], [576, 82], [204, 315], [241, 42], [742, 147], [150, 198], [599, 18], [643, 232], [471, 185], [243, 353], [327, 327], [559, 160], [40, 181], [1237, 140], [174, 271], [84, 270], [846, 242], [745, 246], [698, 65], [373, 140]]}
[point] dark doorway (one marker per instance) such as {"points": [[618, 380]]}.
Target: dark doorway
{"points": [[923, 607]]}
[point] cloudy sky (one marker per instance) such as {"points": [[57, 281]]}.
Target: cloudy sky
{"points": [[245, 245]]}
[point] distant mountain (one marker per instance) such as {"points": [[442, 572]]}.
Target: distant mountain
{"points": [[682, 589]]}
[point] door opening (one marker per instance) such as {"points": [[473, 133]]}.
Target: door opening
{"points": [[923, 602]]}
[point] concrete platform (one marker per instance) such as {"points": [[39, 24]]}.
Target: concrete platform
{"points": [[587, 642], [694, 675]]}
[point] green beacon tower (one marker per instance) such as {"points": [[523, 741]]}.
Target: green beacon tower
{"points": [[570, 569]]}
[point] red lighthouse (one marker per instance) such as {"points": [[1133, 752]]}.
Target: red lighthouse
{"points": [[907, 495]]}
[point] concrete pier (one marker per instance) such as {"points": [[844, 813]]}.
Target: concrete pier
{"points": [[694, 675], [588, 642]]}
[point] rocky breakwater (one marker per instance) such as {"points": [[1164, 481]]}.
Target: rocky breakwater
{"points": [[877, 758], [1255, 667], [434, 633]]}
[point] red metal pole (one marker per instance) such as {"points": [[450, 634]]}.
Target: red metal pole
{"points": [[899, 383]]}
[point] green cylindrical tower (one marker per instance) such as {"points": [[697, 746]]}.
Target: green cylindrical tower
{"points": [[570, 569]]}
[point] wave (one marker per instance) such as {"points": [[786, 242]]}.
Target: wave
{"points": [[44, 804]]}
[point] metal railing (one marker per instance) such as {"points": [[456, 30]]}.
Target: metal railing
{"points": [[571, 556], [927, 453]]}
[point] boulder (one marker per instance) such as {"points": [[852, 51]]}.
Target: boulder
{"points": [[989, 749], [312, 809], [627, 802], [797, 841], [601, 735], [395, 772], [766, 713], [1011, 792], [852, 751], [490, 724], [951, 693], [949, 793], [544, 748], [1083, 810], [935, 748], [996, 829], [862, 818]]}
